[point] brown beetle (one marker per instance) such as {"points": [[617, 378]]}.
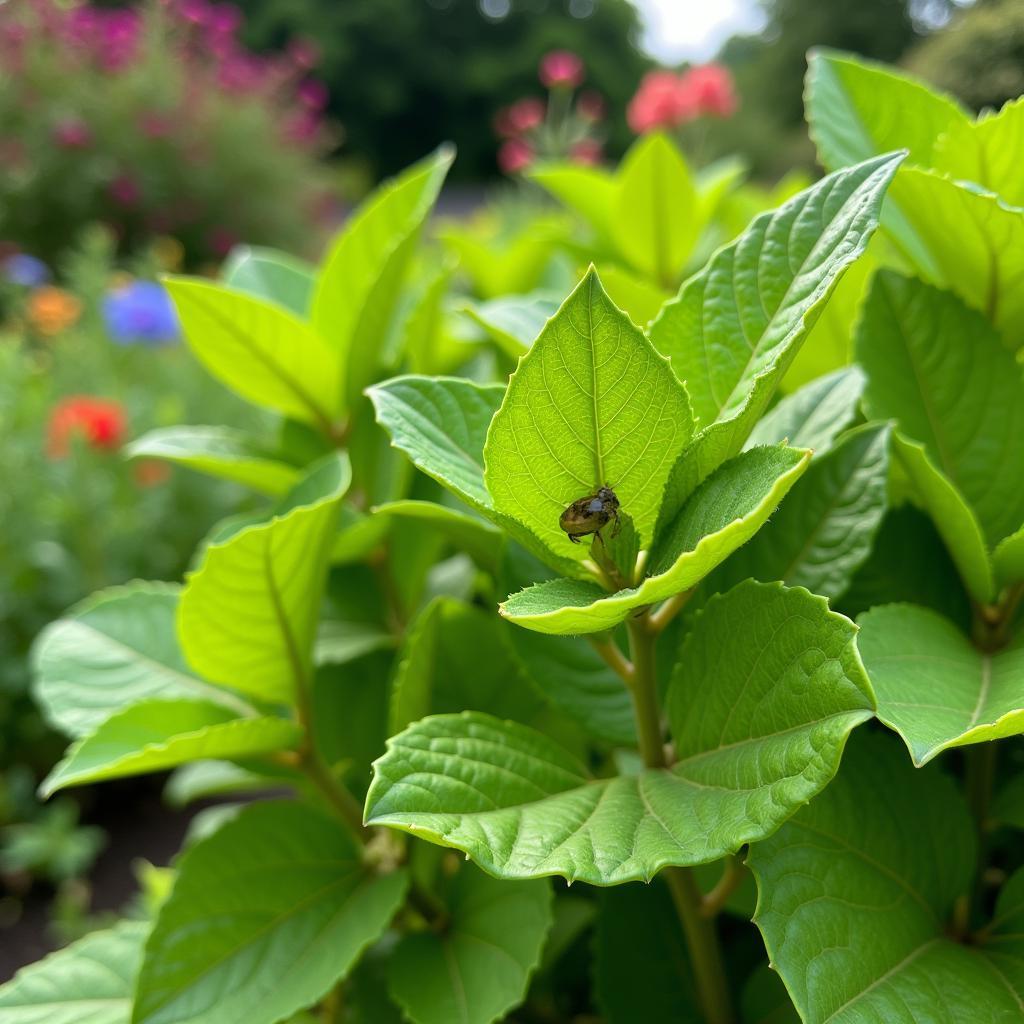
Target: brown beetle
{"points": [[590, 515]]}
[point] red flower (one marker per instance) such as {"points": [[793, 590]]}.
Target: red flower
{"points": [[99, 421], [515, 156], [72, 133], [521, 117], [711, 87], [586, 151], [561, 69], [662, 101], [124, 190]]}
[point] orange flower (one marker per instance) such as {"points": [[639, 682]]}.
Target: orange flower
{"points": [[52, 310]]}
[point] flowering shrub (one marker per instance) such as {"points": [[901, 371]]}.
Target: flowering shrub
{"points": [[534, 130], [154, 120], [666, 100]]}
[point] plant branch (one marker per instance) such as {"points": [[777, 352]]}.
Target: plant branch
{"points": [[612, 656], [701, 937], [667, 611], [334, 791], [733, 873]]}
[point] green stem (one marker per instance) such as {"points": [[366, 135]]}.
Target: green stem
{"points": [[701, 937], [334, 791]]}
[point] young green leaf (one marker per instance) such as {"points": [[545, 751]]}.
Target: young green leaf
{"points": [[735, 327], [592, 404], [987, 151], [478, 967], [259, 349], [968, 241], [589, 191], [363, 273], [266, 916], [814, 416], [721, 515], [823, 534], [248, 615], [655, 218], [759, 730], [476, 537], [89, 982], [115, 649], [156, 735], [271, 275], [1008, 558], [218, 451], [441, 424], [854, 896], [953, 517], [940, 370], [934, 687], [514, 321]]}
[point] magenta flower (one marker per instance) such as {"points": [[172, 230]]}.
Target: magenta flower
{"points": [[124, 190], [561, 69], [313, 93], [72, 133], [514, 156]]}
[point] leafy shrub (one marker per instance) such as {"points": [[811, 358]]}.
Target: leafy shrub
{"points": [[155, 121], [671, 679]]}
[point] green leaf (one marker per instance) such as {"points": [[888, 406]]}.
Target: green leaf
{"points": [[160, 734], [202, 779], [941, 371], [338, 642], [115, 649], [722, 515], [735, 327], [267, 914], [514, 321], [248, 614], [455, 657], [477, 538], [824, 533], [479, 967], [218, 451], [987, 151], [854, 896], [259, 349], [639, 298], [814, 416], [934, 687], [1009, 559], [589, 191], [89, 982], [858, 109], [272, 275], [655, 221], [441, 424], [641, 966], [591, 404], [968, 241], [954, 519], [362, 274], [757, 733]]}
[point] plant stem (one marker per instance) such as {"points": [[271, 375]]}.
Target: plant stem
{"points": [[667, 611], [732, 877], [701, 938], [334, 791], [612, 656]]}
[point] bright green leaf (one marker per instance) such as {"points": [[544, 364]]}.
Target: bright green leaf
{"points": [[259, 349], [934, 687], [591, 404], [937, 368], [639, 298], [248, 614], [1009, 559], [736, 326], [514, 321], [814, 416], [266, 916], [218, 451], [477, 538], [115, 649], [722, 515], [589, 191], [159, 734], [655, 219], [478, 967], [855, 893], [89, 982], [761, 732], [272, 275]]}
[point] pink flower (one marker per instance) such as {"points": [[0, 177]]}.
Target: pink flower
{"points": [[711, 86], [662, 101], [522, 116], [561, 69], [72, 133], [124, 190], [224, 19], [303, 53], [155, 125], [514, 156], [313, 94], [586, 151], [590, 106]]}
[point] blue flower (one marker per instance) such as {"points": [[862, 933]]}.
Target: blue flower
{"points": [[141, 313], [26, 270]]}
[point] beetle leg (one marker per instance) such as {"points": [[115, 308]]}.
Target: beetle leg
{"points": [[573, 538]]}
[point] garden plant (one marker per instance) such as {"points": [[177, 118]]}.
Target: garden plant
{"points": [[548, 682]]}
